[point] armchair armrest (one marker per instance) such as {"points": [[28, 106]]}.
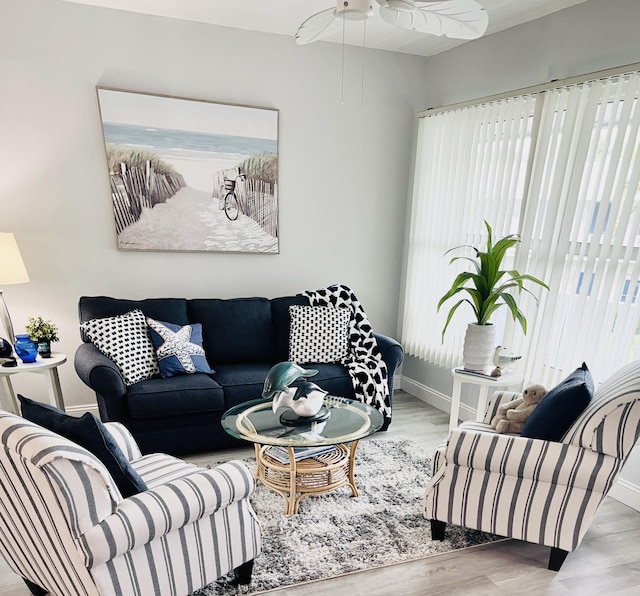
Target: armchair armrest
{"points": [[152, 514], [124, 439], [533, 459], [99, 372]]}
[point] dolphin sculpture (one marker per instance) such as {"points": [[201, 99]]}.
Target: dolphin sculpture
{"points": [[281, 375]]}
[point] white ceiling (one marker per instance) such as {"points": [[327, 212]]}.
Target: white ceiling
{"points": [[284, 16]]}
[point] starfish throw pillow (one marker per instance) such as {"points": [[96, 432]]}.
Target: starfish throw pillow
{"points": [[178, 349]]}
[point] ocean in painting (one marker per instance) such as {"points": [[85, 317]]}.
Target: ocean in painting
{"points": [[195, 155], [166, 138]]}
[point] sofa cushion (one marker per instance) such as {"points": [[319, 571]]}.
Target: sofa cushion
{"points": [[282, 323], [242, 382], [178, 349], [175, 396], [88, 432], [125, 340], [318, 334], [238, 330], [333, 378], [560, 408], [161, 309]]}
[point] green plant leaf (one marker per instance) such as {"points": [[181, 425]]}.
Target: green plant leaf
{"points": [[451, 313], [472, 261], [458, 286], [533, 279], [502, 246]]}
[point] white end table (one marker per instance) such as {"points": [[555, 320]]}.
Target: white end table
{"points": [[47, 367], [506, 380]]}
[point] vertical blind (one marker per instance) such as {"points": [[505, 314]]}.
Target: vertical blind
{"points": [[560, 168]]}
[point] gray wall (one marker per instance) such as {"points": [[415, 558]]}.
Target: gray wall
{"points": [[344, 169], [593, 36]]}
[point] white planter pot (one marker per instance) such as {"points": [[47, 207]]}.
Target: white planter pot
{"points": [[479, 345]]}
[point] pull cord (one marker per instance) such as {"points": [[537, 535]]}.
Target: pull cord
{"points": [[364, 49], [342, 76]]}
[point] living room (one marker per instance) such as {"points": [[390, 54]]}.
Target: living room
{"points": [[346, 169]]}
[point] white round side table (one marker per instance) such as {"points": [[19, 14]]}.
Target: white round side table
{"points": [[47, 367], [510, 379]]}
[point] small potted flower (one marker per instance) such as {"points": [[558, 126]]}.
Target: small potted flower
{"points": [[43, 333]]}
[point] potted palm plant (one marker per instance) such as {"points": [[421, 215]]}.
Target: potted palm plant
{"points": [[43, 333], [486, 289]]}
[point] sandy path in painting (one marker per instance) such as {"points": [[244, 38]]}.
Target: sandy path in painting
{"points": [[192, 220]]}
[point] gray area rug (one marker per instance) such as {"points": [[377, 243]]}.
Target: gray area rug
{"points": [[334, 533]]}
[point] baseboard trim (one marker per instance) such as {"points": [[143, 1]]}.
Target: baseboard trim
{"points": [[82, 409], [435, 398], [623, 491], [627, 493]]}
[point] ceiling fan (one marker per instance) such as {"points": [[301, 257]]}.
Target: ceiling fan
{"points": [[457, 19]]}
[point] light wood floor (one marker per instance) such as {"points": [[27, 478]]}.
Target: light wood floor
{"points": [[606, 563]]}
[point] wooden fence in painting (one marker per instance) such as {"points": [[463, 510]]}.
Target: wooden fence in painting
{"points": [[261, 205], [257, 199], [134, 188]]}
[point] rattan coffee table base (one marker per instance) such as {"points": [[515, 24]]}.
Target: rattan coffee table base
{"points": [[315, 475]]}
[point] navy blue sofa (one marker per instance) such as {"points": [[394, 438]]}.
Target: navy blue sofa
{"points": [[242, 338]]}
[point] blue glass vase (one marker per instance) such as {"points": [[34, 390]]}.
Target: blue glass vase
{"points": [[26, 348]]}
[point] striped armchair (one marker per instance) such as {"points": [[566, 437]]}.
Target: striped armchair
{"points": [[65, 528], [533, 490]]}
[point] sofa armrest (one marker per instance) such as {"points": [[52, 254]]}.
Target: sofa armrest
{"points": [[99, 372], [391, 350], [157, 512]]}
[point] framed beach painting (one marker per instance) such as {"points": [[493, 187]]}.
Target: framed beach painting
{"points": [[191, 175]]}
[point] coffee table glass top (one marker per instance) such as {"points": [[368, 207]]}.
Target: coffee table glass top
{"points": [[254, 421]]}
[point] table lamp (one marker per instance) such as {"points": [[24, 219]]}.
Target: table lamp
{"points": [[12, 271]]}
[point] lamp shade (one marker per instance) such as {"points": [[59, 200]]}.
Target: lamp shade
{"points": [[12, 269]]}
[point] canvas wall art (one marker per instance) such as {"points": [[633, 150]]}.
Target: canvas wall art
{"points": [[191, 175]]}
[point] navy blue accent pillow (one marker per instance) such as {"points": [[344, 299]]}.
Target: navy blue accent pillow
{"points": [[88, 432], [178, 349], [560, 408]]}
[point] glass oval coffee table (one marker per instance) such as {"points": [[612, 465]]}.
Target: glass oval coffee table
{"points": [[329, 446]]}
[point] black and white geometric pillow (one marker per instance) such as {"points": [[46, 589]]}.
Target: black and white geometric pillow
{"points": [[125, 340], [318, 334]]}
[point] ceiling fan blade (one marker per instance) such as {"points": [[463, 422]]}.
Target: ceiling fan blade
{"points": [[456, 19], [317, 26]]}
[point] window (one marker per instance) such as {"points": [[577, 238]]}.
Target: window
{"points": [[543, 165]]}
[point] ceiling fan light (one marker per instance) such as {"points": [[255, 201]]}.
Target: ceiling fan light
{"points": [[354, 10]]}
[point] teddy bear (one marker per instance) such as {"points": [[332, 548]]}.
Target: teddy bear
{"points": [[512, 415]]}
